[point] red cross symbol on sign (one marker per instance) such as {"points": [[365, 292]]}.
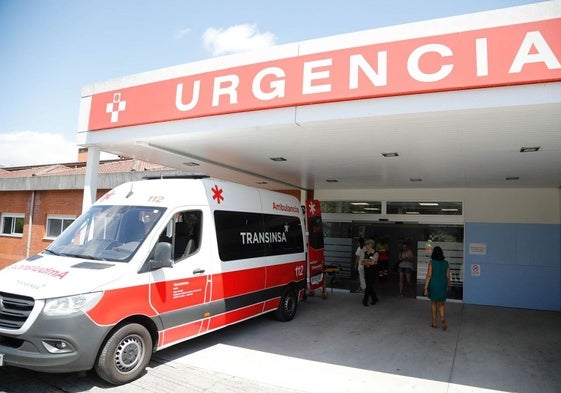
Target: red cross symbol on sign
{"points": [[115, 107], [217, 194], [312, 209]]}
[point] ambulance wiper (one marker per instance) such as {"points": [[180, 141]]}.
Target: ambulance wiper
{"points": [[51, 252], [81, 256], [92, 257]]}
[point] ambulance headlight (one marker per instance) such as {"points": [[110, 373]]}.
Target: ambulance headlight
{"points": [[71, 304]]}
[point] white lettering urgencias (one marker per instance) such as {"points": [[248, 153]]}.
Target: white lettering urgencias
{"points": [[269, 83]]}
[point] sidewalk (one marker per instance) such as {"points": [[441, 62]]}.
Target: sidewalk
{"points": [[338, 345]]}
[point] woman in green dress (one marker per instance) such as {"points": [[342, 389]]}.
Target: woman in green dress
{"points": [[436, 285]]}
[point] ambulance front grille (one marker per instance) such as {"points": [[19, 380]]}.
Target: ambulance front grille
{"points": [[14, 310]]}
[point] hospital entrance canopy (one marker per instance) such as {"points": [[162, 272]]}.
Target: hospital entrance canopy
{"points": [[452, 102]]}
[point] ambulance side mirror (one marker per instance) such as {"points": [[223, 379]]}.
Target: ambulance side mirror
{"points": [[162, 256]]}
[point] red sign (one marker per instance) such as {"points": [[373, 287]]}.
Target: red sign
{"points": [[507, 55]]}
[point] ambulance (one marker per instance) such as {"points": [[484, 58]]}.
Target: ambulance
{"points": [[153, 263]]}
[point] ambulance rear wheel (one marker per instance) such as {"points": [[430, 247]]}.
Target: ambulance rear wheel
{"points": [[125, 354], [287, 306]]}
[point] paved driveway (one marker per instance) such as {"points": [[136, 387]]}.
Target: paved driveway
{"points": [[338, 345]]}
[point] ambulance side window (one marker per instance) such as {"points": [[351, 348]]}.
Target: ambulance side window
{"points": [[242, 235], [290, 239], [235, 232], [187, 234]]}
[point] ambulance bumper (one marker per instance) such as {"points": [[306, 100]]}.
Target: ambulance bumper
{"points": [[54, 344]]}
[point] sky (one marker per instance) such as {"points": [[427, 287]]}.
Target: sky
{"points": [[51, 49]]}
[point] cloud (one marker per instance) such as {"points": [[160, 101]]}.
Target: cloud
{"points": [[26, 148], [235, 39], [179, 34], [31, 148]]}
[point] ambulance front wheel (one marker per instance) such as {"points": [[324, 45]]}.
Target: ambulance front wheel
{"points": [[125, 354], [287, 306]]}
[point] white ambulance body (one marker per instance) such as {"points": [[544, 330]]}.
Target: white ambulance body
{"points": [[150, 264]]}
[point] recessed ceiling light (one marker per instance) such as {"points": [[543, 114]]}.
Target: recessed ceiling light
{"points": [[392, 154], [277, 159], [332, 180], [512, 178], [449, 210], [360, 203], [428, 203], [527, 149], [415, 179]]}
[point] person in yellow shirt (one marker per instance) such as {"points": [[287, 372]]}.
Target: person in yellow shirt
{"points": [[383, 250]]}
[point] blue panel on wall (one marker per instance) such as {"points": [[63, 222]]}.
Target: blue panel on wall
{"points": [[521, 266], [499, 240], [538, 245]]}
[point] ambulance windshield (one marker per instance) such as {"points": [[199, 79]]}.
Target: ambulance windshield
{"points": [[107, 233]]}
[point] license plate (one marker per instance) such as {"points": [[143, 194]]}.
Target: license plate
{"points": [[1, 359]]}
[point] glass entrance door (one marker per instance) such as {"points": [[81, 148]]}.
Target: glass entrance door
{"points": [[420, 238]]}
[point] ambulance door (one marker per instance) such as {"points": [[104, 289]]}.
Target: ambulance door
{"points": [[316, 257], [181, 294]]}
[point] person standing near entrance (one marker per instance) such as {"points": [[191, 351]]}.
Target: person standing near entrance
{"points": [[383, 249], [436, 285], [406, 267], [370, 263], [359, 256]]}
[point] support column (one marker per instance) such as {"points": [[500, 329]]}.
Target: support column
{"points": [[90, 180]]}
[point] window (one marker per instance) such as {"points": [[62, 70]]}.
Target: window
{"points": [[243, 235], [187, 234], [12, 224], [57, 224], [434, 208], [353, 207], [108, 233], [441, 208], [183, 233]]}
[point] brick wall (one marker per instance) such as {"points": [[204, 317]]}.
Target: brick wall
{"points": [[13, 248], [63, 202]]}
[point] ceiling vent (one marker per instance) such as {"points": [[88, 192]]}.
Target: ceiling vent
{"points": [[528, 149]]}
